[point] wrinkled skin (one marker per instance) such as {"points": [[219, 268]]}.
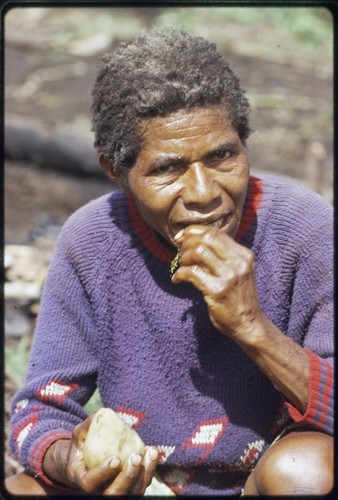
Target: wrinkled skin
{"points": [[192, 169], [224, 272], [64, 463], [189, 183]]}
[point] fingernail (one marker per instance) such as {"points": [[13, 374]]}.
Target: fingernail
{"points": [[153, 453], [136, 459], [114, 463], [179, 235]]}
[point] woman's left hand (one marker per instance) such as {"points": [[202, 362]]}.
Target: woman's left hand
{"points": [[224, 271]]}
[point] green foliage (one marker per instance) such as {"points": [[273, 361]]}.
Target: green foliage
{"points": [[94, 403], [16, 363], [311, 26], [16, 360]]}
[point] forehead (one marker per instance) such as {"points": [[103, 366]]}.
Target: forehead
{"points": [[198, 128]]}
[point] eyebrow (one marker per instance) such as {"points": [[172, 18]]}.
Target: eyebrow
{"points": [[164, 159], [227, 145]]}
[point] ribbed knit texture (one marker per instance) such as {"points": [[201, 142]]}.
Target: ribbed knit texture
{"points": [[111, 318]]}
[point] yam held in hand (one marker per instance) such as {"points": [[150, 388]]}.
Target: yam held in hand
{"points": [[108, 435]]}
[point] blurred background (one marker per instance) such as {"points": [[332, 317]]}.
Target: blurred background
{"points": [[283, 55]]}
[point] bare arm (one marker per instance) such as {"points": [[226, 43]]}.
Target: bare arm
{"points": [[282, 360]]}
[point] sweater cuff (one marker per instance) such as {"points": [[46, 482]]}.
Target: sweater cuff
{"points": [[319, 412], [39, 452]]}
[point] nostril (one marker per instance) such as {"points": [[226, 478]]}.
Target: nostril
{"points": [[197, 200]]}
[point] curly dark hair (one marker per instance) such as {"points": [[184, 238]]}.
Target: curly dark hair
{"points": [[156, 74]]}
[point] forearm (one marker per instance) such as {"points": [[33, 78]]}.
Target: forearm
{"points": [[281, 359]]}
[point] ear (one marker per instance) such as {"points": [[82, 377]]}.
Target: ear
{"points": [[108, 167]]}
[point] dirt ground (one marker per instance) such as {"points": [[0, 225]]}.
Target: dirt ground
{"points": [[49, 87], [290, 94], [287, 141]]}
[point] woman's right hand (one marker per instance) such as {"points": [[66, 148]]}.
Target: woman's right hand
{"points": [[64, 463]]}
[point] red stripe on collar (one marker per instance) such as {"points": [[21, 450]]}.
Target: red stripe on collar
{"points": [[164, 254]]}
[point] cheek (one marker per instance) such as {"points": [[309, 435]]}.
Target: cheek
{"points": [[236, 188], [154, 211], [240, 184], [154, 198]]}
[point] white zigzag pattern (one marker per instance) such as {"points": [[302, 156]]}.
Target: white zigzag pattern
{"points": [[207, 434], [21, 405], [127, 418], [165, 452], [23, 434], [55, 389], [256, 446]]}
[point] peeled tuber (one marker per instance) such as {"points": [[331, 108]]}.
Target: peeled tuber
{"points": [[108, 435]]}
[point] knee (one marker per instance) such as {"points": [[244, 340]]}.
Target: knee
{"points": [[300, 463]]}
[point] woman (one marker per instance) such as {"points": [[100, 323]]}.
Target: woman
{"points": [[223, 368]]}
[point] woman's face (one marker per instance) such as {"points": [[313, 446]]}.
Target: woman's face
{"points": [[192, 169]]}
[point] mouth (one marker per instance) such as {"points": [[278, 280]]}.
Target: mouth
{"points": [[217, 224]]}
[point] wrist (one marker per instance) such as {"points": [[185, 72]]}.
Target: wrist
{"points": [[254, 334], [55, 461]]}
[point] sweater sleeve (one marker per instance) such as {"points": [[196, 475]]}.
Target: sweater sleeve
{"points": [[311, 317], [61, 375], [319, 412]]}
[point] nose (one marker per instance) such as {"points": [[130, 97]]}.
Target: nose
{"points": [[200, 189]]}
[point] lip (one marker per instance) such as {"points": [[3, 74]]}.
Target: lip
{"points": [[220, 221]]}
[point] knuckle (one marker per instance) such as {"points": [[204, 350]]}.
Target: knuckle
{"points": [[208, 236], [239, 268], [202, 253], [196, 270], [232, 276], [247, 255], [246, 268], [251, 259], [200, 248], [220, 290]]}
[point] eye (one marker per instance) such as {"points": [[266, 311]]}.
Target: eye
{"points": [[165, 169], [222, 154]]}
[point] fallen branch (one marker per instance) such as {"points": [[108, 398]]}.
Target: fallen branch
{"points": [[62, 152]]}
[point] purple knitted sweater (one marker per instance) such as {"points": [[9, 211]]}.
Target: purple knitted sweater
{"points": [[111, 318]]}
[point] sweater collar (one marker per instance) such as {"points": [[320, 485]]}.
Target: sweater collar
{"points": [[161, 249]]}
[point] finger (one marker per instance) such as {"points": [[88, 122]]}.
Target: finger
{"points": [[235, 273], [222, 245], [148, 470], [203, 257], [205, 282], [81, 430], [226, 247], [97, 478], [93, 480], [196, 229], [126, 479]]}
